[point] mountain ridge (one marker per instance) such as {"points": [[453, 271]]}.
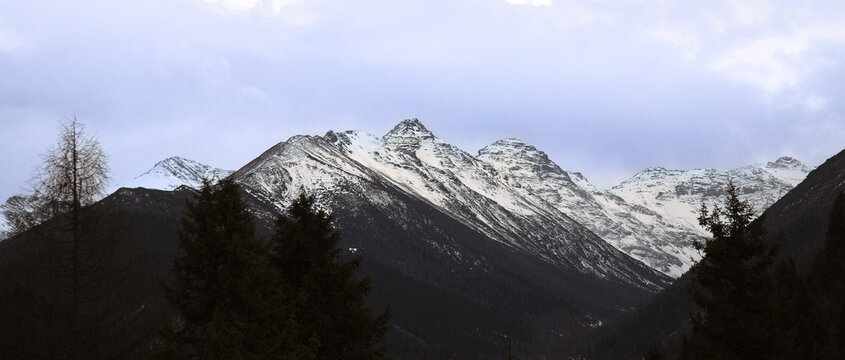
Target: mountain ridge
{"points": [[175, 171], [422, 165], [514, 177]]}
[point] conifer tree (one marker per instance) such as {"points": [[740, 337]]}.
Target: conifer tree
{"points": [[227, 306], [509, 350], [685, 352], [835, 241], [828, 280], [327, 300], [793, 328], [731, 285], [829, 267], [653, 352]]}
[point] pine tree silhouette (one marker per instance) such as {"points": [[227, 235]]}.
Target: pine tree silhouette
{"points": [[731, 285], [653, 352], [228, 306], [509, 350], [327, 300], [793, 327], [828, 280]]}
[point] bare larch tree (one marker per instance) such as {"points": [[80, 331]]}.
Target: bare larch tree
{"points": [[73, 174], [71, 284], [74, 171]]}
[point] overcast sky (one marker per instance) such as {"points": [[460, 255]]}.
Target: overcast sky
{"points": [[604, 87]]}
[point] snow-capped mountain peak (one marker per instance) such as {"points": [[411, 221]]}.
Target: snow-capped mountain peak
{"points": [[506, 143], [177, 161], [409, 160], [513, 147], [175, 171], [408, 136], [410, 128], [653, 215], [635, 230], [653, 172], [678, 194], [788, 169], [517, 156], [786, 162], [510, 191]]}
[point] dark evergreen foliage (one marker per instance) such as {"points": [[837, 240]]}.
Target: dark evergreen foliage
{"points": [[827, 279], [806, 302], [685, 353], [793, 328], [75, 291], [653, 353], [327, 300], [828, 268], [765, 313], [222, 290], [509, 350], [731, 285]]}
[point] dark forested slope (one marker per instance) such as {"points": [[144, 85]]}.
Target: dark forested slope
{"points": [[796, 224]]}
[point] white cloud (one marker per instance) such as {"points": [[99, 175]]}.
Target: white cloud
{"points": [[714, 22], [687, 41], [573, 13], [775, 47], [235, 5], [778, 62], [750, 12], [767, 63], [246, 5], [815, 103], [279, 4], [530, 2], [766, 49]]}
